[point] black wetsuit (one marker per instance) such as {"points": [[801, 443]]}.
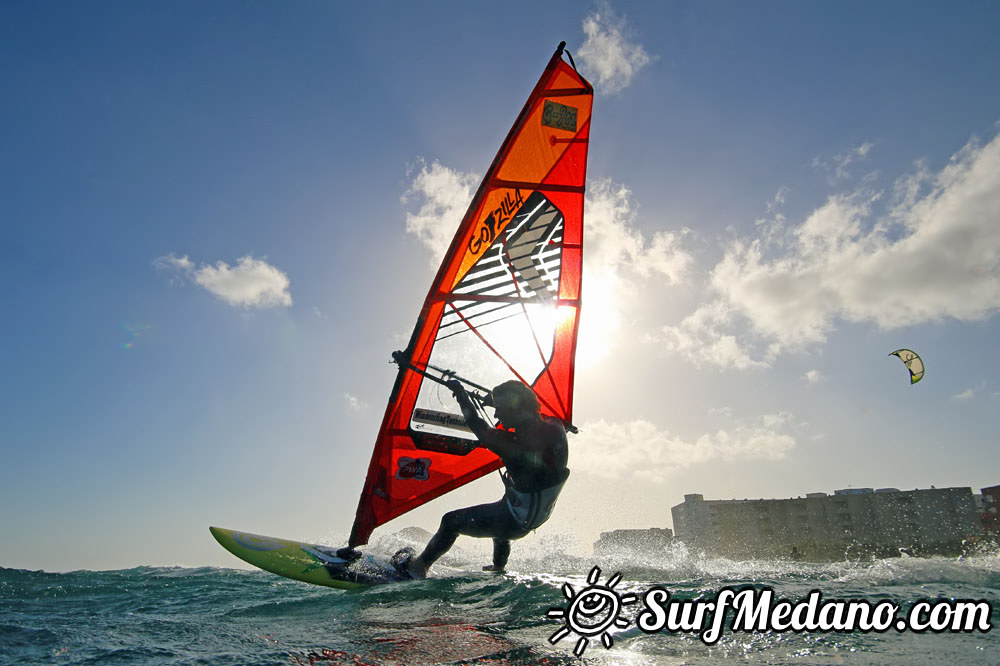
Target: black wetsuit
{"points": [[535, 458]]}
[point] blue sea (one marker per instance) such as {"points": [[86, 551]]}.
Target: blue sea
{"points": [[152, 615]]}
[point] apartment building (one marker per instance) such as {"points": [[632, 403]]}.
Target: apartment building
{"points": [[858, 522]]}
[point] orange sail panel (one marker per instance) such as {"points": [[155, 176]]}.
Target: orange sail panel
{"points": [[504, 305]]}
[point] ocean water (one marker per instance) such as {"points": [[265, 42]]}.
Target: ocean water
{"points": [[150, 615]]}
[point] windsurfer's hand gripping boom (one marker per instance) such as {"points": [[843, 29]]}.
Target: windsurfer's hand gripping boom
{"points": [[470, 412], [447, 378]]}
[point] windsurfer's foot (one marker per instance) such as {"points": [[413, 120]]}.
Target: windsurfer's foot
{"points": [[416, 568], [494, 567], [407, 562]]}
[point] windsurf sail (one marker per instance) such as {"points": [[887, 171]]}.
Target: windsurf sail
{"points": [[504, 304]]}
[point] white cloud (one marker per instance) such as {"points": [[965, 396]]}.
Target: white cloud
{"points": [[703, 337], [967, 394], [356, 404], [639, 450], [614, 242], [838, 168], [934, 253], [609, 53], [443, 195], [618, 261], [251, 283], [813, 377]]}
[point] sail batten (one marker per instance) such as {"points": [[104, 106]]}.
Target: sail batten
{"points": [[545, 187], [504, 304]]}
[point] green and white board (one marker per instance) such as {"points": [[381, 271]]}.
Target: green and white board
{"points": [[308, 562]]}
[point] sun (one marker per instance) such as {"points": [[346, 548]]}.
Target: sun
{"points": [[600, 321], [592, 611]]}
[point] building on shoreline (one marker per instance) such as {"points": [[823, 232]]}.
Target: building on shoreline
{"points": [[991, 511], [653, 541], [856, 522]]}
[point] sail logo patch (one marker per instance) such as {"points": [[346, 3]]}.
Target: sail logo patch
{"points": [[443, 419], [559, 116], [495, 221], [413, 469]]}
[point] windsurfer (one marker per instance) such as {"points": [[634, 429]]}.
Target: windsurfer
{"points": [[534, 451]]}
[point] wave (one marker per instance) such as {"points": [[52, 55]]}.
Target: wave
{"points": [[168, 615]]}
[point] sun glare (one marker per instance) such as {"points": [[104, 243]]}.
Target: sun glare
{"points": [[599, 322]]}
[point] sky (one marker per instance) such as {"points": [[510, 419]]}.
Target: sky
{"points": [[218, 220]]}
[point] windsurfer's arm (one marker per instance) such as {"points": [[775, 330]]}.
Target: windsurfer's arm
{"points": [[487, 435]]}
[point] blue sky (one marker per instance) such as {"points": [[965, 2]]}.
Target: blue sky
{"points": [[219, 219]]}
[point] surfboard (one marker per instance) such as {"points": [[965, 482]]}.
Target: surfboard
{"points": [[307, 562]]}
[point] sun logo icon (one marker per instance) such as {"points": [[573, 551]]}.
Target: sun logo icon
{"points": [[592, 611]]}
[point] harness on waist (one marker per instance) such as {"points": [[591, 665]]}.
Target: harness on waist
{"points": [[531, 509]]}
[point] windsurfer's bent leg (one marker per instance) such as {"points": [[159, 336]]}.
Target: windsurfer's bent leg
{"points": [[485, 520]]}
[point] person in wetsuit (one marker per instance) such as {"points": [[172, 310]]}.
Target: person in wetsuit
{"points": [[534, 451]]}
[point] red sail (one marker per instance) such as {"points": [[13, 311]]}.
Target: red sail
{"points": [[505, 304]]}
